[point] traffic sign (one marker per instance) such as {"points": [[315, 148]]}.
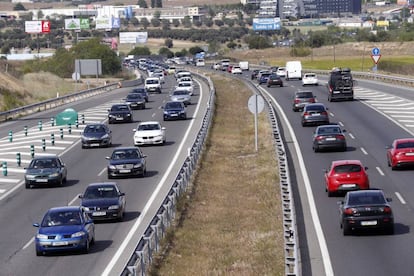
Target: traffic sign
{"points": [[256, 104], [375, 51], [376, 58]]}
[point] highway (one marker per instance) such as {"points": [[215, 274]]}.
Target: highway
{"points": [[115, 241]]}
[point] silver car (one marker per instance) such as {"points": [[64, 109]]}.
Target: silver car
{"points": [[315, 113], [181, 96]]}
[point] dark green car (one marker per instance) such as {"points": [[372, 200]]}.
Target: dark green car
{"points": [[45, 170]]}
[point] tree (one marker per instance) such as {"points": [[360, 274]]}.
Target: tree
{"points": [[168, 43], [142, 4], [186, 21], [155, 22], [19, 7], [145, 23], [165, 24], [140, 51], [166, 52], [195, 50], [176, 22]]}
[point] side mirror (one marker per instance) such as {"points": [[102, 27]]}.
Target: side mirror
{"points": [[344, 130], [366, 168], [389, 199], [80, 196], [36, 224], [107, 158], [121, 194], [134, 130], [341, 202], [163, 128]]}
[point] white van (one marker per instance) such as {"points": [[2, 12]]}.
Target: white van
{"points": [[200, 62], [153, 84], [293, 70]]}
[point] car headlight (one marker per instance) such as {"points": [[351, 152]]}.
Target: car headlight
{"points": [[105, 136], [110, 116], [41, 237], [166, 112], [113, 207], [30, 176], [129, 114], [78, 234], [86, 208], [54, 174], [139, 165], [112, 167]]}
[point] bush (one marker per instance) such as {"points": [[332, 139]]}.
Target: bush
{"points": [[300, 52]]}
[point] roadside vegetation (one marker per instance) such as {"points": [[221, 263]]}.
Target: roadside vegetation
{"points": [[230, 223]]}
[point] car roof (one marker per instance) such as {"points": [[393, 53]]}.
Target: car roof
{"points": [[100, 184], [64, 208], [346, 162], [45, 156], [314, 104], [366, 192], [125, 148], [402, 140], [149, 123]]}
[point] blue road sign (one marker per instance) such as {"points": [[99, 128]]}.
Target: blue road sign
{"points": [[375, 51]]}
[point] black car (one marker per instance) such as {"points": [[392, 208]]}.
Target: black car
{"points": [[254, 74], [96, 135], [302, 98], [45, 170], [175, 111], [135, 101], [274, 80], [127, 161], [329, 137], [120, 113], [103, 201], [142, 91], [366, 209], [315, 113]]}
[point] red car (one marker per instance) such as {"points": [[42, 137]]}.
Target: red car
{"points": [[346, 175], [401, 153]]}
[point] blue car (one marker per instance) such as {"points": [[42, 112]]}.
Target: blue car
{"points": [[175, 111], [67, 228]]}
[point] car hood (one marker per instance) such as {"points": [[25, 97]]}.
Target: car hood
{"points": [[148, 133], [99, 202], [94, 134], [125, 161], [134, 100], [44, 171], [118, 112], [60, 229], [179, 97], [174, 110]]}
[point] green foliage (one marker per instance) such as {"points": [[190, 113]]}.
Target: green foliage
{"points": [[140, 51], [300, 52], [168, 43], [186, 21], [19, 7], [231, 45], [142, 4], [166, 52], [10, 101], [258, 42], [155, 22], [195, 50]]}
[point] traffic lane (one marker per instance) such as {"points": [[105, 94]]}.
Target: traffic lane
{"points": [[316, 171], [113, 228]]}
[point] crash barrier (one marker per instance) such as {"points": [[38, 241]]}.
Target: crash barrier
{"points": [[58, 101], [141, 260]]}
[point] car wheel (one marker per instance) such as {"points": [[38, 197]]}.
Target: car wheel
{"points": [[281, 85], [330, 193], [303, 124], [86, 248], [110, 176], [315, 149], [28, 186], [346, 230], [329, 98]]}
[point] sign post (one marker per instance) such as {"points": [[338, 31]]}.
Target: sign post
{"points": [[255, 105], [375, 55]]}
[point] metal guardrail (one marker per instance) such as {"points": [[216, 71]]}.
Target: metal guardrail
{"points": [[140, 261]]}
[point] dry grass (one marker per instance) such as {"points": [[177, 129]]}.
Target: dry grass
{"points": [[232, 224]]}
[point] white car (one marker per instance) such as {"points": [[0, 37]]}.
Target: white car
{"points": [[236, 70], [159, 75], [309, 79], [149, 133], [185, 85], [281, 71], [185, 79]]}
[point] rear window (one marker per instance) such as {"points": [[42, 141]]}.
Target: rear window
{"points": [[366, 199], [348, 168], [315, 108], [405, 145], [304, 95]]}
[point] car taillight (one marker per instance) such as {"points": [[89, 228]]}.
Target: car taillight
{"points": [[319, 138], [324, 113], [387, 210], [349, 211], [297, 101], [305, 113], [340, 137]]}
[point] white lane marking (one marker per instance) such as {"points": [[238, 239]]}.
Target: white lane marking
{"points": [[9, 180], [326, 259], [380, 171], [401, 199], [28, 243], [332, 115], [153, 115], [154, 195], [2, 191], [102, 172], [364, 151], [341, 124], [351, 135]]}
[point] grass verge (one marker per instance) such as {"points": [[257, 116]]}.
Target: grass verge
{"points": [[230, 222]]}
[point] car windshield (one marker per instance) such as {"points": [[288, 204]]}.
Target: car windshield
{"points": [[134, 97], [94, 129], [180, 92], [348, 168], [119, 108], [366, 199], [329, 130], [149, 127], [100, 192], [139, 90], [405, 145], [310, 75], [44, 163], [61, 218], [152, 81], [304, 95], [125, 154], [173, 105]]}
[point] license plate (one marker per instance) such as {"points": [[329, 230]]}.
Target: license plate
{"points": [[316, 114], [96, 214], [119, 118], [124, 171], [41, 180], [369, 223], [348, 185], [174, 115], [95, 145], [409, 153], [60, 243], [330, 139]]}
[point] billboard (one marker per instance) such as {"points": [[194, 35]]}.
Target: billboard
{"points": [[88, 67], [37, 27], [77, 24], [108, 23], [266, 24], [133, 37]]}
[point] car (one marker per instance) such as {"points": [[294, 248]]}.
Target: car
{"points": [[103, 201], [126, 161], [301, 98], [45, 170], [263, 77], [236, 70], [159, 75], [274, 80], [153, 84], [65, 228], [365, 210], [174, 111], [182, 73], [149, 133], [254, 74], [309, 79], [96, 135], [281, 71], [229, 68], [329, 137], [346, 175], [135, 101], [401, 153], [185, 85], [142, 91], [120, 113], [314, 113], [181, 96], [185, 78]]}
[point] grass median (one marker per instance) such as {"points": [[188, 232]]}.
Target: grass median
{"points": [[230, 223]]}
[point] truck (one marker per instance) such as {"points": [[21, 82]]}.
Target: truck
{"points": [[340, 84], [244, 65], [293, 70]]}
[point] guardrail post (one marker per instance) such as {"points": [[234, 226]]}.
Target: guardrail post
{"points": [[52, 139], [10, 136], [4, 168], [70, 128], [83, 118], [43, 144], [52, 121], [39, 124], [61, 133], [77, 123], [32, 150], [18, 159], [25, 130]]}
